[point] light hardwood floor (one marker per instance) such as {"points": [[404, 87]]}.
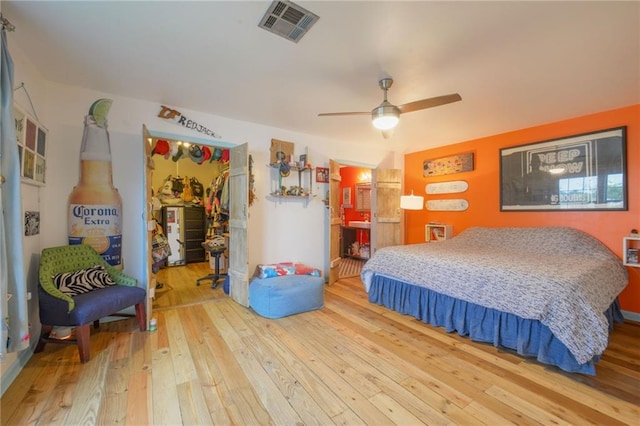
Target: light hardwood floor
{"points": [[216, 362], [179, 286]]}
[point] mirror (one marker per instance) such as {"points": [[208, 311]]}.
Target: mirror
{"points": [[363, 197]]}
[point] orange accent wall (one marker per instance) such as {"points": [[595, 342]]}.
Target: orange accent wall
{"points": [[484, 188], [349, 177]]}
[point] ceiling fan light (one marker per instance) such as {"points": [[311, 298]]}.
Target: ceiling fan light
{"points": [[385, 117]]}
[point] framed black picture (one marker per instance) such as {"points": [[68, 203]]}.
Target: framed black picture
{"points": [[580, 172]]}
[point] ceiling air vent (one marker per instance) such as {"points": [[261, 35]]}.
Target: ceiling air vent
{"points": [[288, 20]]}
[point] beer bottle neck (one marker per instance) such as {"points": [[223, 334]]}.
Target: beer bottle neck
{"points": [[95, 141], [96, 173], [95, 155]]}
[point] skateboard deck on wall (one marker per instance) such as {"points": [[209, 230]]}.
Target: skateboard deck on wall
{"points": [[446, 187], [454, 205]]}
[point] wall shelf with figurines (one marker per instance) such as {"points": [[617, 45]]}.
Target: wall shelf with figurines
{"points": [[286, 172]]}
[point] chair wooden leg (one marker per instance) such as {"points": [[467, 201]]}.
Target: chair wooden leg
{"points": [[44, 333], [83, 334], [141, 315]]}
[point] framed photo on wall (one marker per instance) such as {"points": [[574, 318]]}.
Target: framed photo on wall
{"points": [[346, 197], [580, 172], [31, 137], [322, 174]]}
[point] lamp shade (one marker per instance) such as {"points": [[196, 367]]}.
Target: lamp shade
{"points": [[385, 116], [411, 202]]}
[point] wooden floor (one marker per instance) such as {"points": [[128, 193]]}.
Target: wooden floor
{"points": [[216, 362], [179, 286]]}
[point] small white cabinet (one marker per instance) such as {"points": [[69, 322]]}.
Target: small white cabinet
{"points": [[630, 250]]}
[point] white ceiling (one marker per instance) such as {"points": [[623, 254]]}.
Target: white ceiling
{"points": [[515, 64]]}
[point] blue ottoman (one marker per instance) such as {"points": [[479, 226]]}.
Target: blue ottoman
{"points": [[278, 297]]}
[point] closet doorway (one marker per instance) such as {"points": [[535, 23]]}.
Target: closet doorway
{"points": [[190, 205]]}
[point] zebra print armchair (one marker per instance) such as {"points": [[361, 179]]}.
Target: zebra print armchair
{"points": [[80, 310]]}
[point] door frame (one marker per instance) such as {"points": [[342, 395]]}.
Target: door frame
{"points": [[239, 224], [149, 280], [147, 217], [334, 206]]}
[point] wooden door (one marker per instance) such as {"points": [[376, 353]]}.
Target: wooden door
{"points": [[334, 221], [238, 224], [385, 208], [147, 216]]}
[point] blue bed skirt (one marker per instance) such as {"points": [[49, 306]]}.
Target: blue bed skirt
{"points": [[528, 338]]}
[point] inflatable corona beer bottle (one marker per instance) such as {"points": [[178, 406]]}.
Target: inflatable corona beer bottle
{"points": [[95, 206]]}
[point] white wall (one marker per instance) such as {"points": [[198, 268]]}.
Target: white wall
{"points": [[278, 231]]}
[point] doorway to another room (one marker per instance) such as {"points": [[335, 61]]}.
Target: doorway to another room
{"points": [[364, 215], [190, 201], [355, 218]]}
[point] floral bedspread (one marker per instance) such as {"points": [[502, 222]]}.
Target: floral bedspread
{"points": [[560, 276]]}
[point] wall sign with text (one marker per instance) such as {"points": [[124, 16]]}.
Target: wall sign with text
{"points": [[581, 172]]}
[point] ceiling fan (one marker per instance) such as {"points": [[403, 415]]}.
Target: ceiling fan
{"points": [[386, 115]]}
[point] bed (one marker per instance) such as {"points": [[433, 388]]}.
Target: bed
{"points": [[545, 292]]}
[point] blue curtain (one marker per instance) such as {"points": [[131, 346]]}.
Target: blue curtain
{"points": [[13, 298]]}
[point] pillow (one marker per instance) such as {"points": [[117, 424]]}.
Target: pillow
{"points": [[286, 268], [83, 281]]}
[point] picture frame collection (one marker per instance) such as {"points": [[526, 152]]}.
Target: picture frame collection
{"points": [[31, 138]]}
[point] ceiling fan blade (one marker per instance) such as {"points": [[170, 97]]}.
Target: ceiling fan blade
{"points": [[387, 134], [324, 114], [429, 103]]}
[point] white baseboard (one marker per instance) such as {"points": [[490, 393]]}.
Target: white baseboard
{"points": [[633, 316], [12, 371]]}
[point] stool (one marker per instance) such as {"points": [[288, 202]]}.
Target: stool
{"points": [[286, 295], [216, 252]]}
